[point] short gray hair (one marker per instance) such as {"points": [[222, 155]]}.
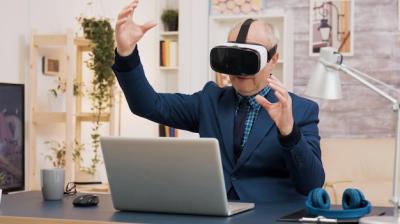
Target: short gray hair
{"points": [[272, 33]]}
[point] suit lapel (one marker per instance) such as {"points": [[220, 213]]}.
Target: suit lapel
{"points": [[226, 110], [261, 126]]}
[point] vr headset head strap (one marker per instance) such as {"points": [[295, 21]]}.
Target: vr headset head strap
{"points": [[244, 29], [271, 52], [241, 38]]}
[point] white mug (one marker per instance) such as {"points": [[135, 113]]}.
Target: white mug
{"points": [[52, 183]]}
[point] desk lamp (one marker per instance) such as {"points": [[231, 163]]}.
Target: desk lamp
{"points": [[325, 84]]}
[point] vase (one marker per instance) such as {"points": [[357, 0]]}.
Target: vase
{"points": [[171, 25]]}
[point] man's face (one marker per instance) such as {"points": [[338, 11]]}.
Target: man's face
{"points": [[251, 85]]}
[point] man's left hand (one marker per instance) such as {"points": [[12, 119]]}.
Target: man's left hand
{"points": [[281, 111]]}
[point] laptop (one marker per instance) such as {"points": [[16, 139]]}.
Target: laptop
{"points": [[169, 175]]}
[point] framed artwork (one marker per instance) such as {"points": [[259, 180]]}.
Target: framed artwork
{"points": [[331, 25], [51, 66], [12, 147]]}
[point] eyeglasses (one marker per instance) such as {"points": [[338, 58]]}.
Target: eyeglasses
{"points": [[70, 189]]}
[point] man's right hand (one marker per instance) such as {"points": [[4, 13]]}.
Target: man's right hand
{"points": [[127, 32]]}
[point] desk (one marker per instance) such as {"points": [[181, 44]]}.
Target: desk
{"points": [[15, 208]]}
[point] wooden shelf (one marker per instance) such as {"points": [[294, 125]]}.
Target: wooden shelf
{"points": [[72, 117], [169, 33], [49, 117], [168, 68], [43, 40], [80, 41], [90, 117], [60, 117]]}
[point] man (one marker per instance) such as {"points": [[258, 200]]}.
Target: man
{"points": [[269, 141]]}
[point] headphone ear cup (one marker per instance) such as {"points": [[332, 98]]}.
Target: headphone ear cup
{"points": [[320, 198], [352, 198]]}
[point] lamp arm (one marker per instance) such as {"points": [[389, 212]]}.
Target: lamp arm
{"points": [[346, 70], [391, 88]]}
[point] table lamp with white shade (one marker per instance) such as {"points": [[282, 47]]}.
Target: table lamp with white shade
{"points": [[325, 83]]}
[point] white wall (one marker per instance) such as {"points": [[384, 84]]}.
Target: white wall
{"points": [[14, 17]]}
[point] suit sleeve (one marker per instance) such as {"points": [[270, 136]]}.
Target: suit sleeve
{"points": [[175, 110], [303, 153]]}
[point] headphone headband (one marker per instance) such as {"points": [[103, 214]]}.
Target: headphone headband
{"points": [[353, 202]]}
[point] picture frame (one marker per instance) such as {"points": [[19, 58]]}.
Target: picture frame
{"points": [[51, 66], [12, 137], [331, 25]]}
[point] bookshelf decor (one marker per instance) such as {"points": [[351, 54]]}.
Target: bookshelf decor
{"points": [[169, 53], [50, 66], [170, 18]]}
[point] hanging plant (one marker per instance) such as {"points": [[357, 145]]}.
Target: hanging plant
{"points": [[101, 34]]}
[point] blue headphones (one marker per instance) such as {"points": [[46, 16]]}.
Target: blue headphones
{"points": [[353, 202]]}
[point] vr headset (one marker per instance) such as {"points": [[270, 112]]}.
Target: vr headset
{"points": [[240, 58]]}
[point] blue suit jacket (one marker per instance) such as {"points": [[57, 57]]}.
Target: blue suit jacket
{"points": [[266, 170]]}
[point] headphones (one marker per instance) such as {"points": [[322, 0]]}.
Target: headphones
{"points": [[353, 202]]}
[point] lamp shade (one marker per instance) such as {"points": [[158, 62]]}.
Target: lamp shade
{"points": [[324, 83]]}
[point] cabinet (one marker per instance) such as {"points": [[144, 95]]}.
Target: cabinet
{"points": [[220, 25], [70, 54]]}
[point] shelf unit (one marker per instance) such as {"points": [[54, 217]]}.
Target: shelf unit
{"points": [[220, 25], [168, 75], [72, 55]]}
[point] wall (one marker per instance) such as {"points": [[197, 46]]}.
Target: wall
{"points": [[361, 112], [13, 53]]}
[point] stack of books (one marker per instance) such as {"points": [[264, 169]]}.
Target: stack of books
{"points": [[165, 131], [169, 53]]}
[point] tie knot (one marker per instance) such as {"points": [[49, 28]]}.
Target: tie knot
{"points": [[244, 102]]}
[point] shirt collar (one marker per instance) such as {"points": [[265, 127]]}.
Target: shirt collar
{"points": [[252, 99]]}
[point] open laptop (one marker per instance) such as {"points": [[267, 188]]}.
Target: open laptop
{"points": [[169, 175]]}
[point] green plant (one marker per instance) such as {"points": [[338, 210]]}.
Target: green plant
{"points": [[170, 19], [101, 34], [57, 157], [61, 87]]}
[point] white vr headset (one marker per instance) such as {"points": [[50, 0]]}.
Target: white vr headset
{"points": [[240, 58]]}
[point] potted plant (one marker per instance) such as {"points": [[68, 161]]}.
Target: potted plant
{"points": [[101, 35], [58, 151], [169, 18], [57, 156]]}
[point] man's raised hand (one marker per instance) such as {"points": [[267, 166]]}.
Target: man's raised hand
{"points": [[127, 32]]}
